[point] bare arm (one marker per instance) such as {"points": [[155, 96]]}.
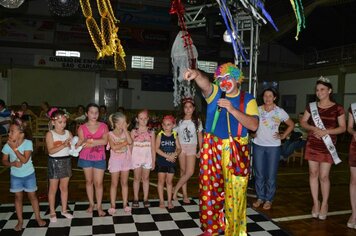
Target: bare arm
{"points": [[54, 148], [158, 150], [250, 122], [153, 149], [319, 133], [6, 162], [350, 126], [290, 127], [304, 122], [178, 147], [200, 79]]}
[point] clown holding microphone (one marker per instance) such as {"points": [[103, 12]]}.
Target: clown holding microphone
{"points": [[224, 159]]}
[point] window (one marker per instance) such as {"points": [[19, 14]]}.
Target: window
{"points": [[64, 53], [141, 62], [208, 66], [289, 103]]}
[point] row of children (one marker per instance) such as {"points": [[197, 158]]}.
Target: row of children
{"points": [[139, 150]]}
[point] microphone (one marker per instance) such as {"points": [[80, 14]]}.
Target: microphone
{"points": [[223, 95]]}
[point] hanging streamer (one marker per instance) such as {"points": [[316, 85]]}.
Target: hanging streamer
{"points": [[299, 15], [231, 28], [266, 14]]}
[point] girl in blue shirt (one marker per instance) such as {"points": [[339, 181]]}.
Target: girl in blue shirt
{"points": [[17, 154]]}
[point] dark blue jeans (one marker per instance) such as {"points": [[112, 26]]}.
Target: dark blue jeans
{"points": [[265, 166]]}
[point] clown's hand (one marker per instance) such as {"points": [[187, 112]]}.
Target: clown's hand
{"points": [[190, 74], [225, 103]]}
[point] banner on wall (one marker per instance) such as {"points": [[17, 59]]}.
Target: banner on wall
{"points": [[27, 30], [71, 63]]}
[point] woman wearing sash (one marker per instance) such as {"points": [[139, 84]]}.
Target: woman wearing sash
{"points": [[323, 120], [352, 162]]}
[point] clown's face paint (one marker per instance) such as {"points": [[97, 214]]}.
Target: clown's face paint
{"points": [[226, 83]]}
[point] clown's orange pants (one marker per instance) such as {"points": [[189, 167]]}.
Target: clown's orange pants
{"points": [[219, 188]]}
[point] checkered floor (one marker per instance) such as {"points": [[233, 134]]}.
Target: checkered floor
{"points": [[182, 220]]}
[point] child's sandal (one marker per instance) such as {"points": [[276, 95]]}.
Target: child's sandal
{"points": [[135, 204], [67, 215], [53, 217], [146, 204]]}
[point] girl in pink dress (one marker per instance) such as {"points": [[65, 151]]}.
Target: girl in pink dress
{"points": [[94, 136], [143, 156], [120, 159]]}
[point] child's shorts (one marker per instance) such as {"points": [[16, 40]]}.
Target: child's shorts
{"points": [[27, 183], [92, 164], [189, 149], [166, 169]]}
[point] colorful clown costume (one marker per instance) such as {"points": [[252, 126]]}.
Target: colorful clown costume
{"points": [[224, 167]]}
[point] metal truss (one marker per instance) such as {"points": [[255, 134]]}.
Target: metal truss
{"points": [[248, 31], [194, 17]]}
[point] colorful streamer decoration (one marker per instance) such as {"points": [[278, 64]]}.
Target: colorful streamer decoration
{"points": [[299, 15], [105, 40], [231, 28], [266, 14]]}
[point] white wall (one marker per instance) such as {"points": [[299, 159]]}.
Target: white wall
{"points": [[350, 90], [3, 88], [301, 88], [150, 100], [57, 87]]}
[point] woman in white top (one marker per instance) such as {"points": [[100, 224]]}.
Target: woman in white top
{"points": [[267, 147], [59, 162], [189, 129]]}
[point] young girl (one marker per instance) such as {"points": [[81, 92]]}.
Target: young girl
{"points": [[190, 135], [94, 135], [167, 149], [120, 159], [17, 154], [59, 162], [143, 156]]}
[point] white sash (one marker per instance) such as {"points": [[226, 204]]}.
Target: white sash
{"points": [[353, 110], [327, 139]]}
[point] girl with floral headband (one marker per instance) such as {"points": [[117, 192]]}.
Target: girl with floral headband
{"points": [[17, 154], [324, 120], [167, 149], [59, 162], [189, 128]]}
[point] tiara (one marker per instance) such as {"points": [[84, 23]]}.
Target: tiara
{"points": [[188, 99], [324, 79]]}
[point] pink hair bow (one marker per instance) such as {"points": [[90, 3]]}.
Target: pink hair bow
{"points": [[50, 112]]}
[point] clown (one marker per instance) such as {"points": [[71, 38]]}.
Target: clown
{"points": [[224, 160]]}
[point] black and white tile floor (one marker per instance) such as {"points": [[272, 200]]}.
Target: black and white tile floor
{"points": [[152, 221]]}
